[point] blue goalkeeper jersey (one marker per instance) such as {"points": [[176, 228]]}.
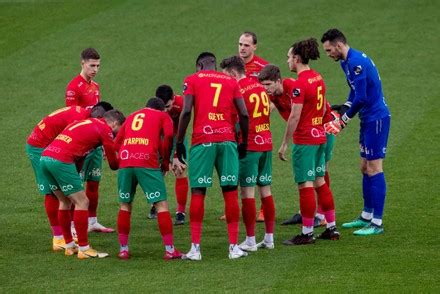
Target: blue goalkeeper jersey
{"points": [[366, 96]]}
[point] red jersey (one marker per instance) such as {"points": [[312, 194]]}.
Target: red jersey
{"points": [[283, 102], [80, 92], [175, 110], [79, 138], [214, 108], [139, 140], [53, 124], [254, 66], [258, 106], [309, 91]]}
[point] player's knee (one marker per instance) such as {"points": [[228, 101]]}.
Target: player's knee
{"points": [[161, 206], [265, 191], [200, 191], [125, 206], [374, 167]]}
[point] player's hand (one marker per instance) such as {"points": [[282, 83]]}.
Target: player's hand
{"points": [[178, 167], [282, 152], [344, 120], [181, 152], [333, 127], [242, 150], [340, 109]]}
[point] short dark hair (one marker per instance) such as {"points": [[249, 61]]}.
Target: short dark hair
{"points": [[233, 62], [90, 53], [114, 115], [206, 58], [306, 49], [333, 35], [270, 73], [100, 108], [156, 103], [165, 93], [252, 34]]}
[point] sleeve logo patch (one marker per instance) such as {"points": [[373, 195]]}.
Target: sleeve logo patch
{"points": [[357, 70], [185, 86], [296, 92], [70, 93]]}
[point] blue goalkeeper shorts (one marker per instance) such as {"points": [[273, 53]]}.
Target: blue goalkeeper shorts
{"points": [[373, 138]]}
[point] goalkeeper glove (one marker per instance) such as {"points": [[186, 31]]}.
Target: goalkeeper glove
{"points": [[333, 127], [341, 109], [242, 150], [181, 152]]}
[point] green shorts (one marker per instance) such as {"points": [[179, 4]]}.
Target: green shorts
{"points": [[61, 176], [150, 180], [329, 147], [308, 162], [204, 157], [92, 167], [256, 169], [34, 155]]}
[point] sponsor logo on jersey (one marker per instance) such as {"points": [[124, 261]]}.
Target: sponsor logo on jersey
{"points": [[296, 92], [357, 70], [126, 155]]}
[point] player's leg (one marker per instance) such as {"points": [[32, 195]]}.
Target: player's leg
{"points": [[303, 162], [264, 180], [201, 166], [376, 144], [92, 175], [227, 166], [51, 202], [126, 189], [153, 185], [181, 189], [248, 173]]}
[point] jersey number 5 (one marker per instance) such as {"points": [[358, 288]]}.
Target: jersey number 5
{"points": [[320, 98]]}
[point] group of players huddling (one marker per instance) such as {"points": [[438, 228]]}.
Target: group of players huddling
{"points": [[231, 133]]}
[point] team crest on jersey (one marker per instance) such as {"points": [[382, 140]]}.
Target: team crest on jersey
{"points": [[357, 70], [70, 93], [185, 86], [296, 92]]}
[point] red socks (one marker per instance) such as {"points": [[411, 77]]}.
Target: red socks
{"points": [[269, 213], [232, 212], [249, 212], [65, 220], [81, 221], [325, 199], [92, 188], [307, 204], [165, 227], [51, 205], [327, 178], [124, 223], [196, 212], [181, 188]]}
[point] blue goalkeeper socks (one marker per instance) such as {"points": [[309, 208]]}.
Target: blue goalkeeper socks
{"points": [[378, 191], [368, 197]]}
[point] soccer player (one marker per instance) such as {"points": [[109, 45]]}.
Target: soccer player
{"points": [[247, 45], [367, 99], [84, 91], [174, 106], [256, 167], [305, 125], [42, 135], [215, 97], [59, 170], [140, 146]]}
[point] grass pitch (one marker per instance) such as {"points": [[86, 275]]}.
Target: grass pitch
{"points": [[147, 43]]}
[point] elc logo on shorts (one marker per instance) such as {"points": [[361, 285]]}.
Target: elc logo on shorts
{"points": [[96, 172], [204, 180], [228, 178], [40, 187], [310, 173], [265, 178], [252, 179], [53, 187], [123, 195], [153, 195], [66, 188]]}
